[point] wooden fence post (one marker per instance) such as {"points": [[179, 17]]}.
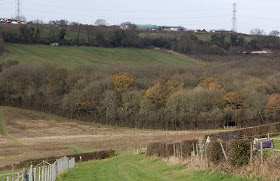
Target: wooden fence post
{"points": [[251, 152], [268, 137], [39, 174], [174, 150], [197, 150], [201, 154], [43, 174], [24, 175], [45, 171], [193, 149], [272, 148], [34, 174], [223, 150], [181, 150], [261, 152]]}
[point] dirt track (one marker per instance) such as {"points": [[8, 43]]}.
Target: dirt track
{"points": [[45, 135]]}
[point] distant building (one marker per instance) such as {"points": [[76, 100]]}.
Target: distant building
{"points": [[201, 31], [172, 28], [54, 44], [147, 27], [220, 31]]}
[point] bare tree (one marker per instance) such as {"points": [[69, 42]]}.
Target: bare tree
{"points": [[100, 22], [257, 31], [125, 25], [274, 33]]}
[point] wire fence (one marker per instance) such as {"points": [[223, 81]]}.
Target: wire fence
{"points": [[44, 171]]}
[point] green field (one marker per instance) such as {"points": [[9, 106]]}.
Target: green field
{"points": [[137, 167], [69, 57]]}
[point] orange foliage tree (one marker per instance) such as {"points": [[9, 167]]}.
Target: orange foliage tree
{"points": [[272, 109], [160, 92], [122, 81], [210, 83], [84, 105], [232, 100]]}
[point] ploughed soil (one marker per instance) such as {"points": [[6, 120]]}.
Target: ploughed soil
{"points": [[47, 136]]}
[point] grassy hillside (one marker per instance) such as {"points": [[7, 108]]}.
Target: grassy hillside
{"points": [[69, 57], [138, 168], [48, 135]]}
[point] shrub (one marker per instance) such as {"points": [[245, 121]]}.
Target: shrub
{"points": [[238, 152], [214, 152], [188, 146]]}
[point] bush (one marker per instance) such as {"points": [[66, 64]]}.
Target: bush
{"points": [[188, 146], [238, 152], [215, 153], [163, 149]]}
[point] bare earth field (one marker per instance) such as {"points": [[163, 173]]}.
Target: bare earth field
{"points": [[48, 135]]}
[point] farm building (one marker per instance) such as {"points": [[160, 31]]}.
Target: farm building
{"points": [[172, 28], [147, 27]]}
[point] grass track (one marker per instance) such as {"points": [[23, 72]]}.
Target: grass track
{"points": [[4, 131], [138, 168], [70, 57]]}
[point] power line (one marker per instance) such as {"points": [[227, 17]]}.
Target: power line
{"points": [[133, 11], [234, 18], [178, 17], [18, 10], [260, 18]]}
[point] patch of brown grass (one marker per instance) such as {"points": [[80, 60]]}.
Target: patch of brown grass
{"points": [[45, 135]]}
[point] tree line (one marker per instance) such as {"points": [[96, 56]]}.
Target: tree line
{"points": [[209, 96], [127, 35]]}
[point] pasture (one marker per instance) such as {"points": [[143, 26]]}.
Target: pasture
{"points": [[137, 167], [43, 135], [69, 57]]}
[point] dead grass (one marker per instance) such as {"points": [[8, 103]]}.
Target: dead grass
{"points": [[46, 135]]}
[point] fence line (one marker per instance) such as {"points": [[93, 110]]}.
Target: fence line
{"points": [[43, 171]]}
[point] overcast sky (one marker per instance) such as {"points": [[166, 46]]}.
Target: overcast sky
{"points": [[192, 14]]}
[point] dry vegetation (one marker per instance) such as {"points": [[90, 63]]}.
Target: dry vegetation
{"points": [[45, 136]]}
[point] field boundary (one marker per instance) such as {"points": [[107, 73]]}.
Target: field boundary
{"points": [[80, 157]]}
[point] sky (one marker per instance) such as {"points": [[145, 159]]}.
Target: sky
{"points": [[191, 14]]}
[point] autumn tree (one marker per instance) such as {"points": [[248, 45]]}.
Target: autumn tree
{"points": [[272, 110], [84, 105], [210, 83], [122, 81], [232, 100], [160, 92]]}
